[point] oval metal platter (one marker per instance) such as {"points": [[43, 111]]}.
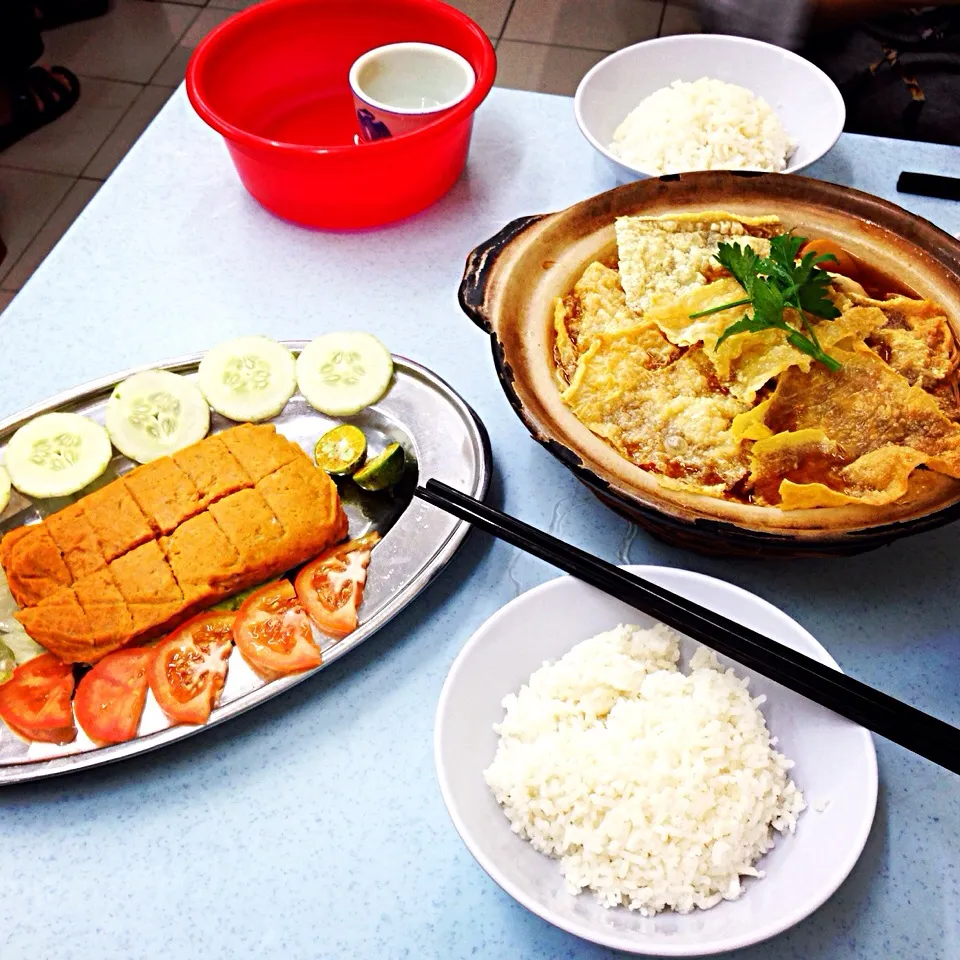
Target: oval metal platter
{"points": [[442, 438]]}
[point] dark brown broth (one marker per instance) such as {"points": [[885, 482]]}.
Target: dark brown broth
{"points": [[878, 284]]}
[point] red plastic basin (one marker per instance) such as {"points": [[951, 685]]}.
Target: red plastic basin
{"points": [[273, 80]]}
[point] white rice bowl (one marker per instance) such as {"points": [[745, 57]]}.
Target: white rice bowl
{"points": [[835, 767], [654, 788], [704, 125]]}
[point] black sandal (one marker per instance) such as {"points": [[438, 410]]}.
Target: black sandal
{"points": [[57, 13], [37, 98]]}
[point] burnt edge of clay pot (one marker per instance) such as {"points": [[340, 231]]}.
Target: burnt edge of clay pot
{"points": [[476, 274]]}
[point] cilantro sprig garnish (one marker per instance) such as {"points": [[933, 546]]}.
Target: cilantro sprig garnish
{"points": [[773, 284]]}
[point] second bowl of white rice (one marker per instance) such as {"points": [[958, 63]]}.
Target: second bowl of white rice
{"points": [[708, 102], [538, 737]]}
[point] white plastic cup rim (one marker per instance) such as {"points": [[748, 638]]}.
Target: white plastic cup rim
{"points": [[427, 50]]}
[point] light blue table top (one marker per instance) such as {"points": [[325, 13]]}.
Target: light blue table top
{"points": [[313, 827]]}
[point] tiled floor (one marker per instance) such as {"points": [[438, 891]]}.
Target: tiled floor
{"points": [[130, 61]]}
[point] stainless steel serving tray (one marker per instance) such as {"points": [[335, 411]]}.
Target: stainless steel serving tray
{"points": [[442, 438]]}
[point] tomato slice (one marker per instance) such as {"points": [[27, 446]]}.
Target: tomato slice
{"points": [[189, 668], [331, 587], [110, 697], [273, 632], [35, 701]]}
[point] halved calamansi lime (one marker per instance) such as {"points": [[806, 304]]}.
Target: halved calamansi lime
{"points": [[155, 413], [383, 471], [57, 454], [248, 379], [341, 373], [340, 451]]}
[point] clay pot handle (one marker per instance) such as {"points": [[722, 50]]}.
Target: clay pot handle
{"points": [[481, 265]]}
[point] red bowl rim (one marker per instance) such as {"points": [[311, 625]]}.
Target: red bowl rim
{"points": [[486, 73]]}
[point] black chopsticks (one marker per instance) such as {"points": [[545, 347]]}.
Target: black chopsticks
{"points": [[929, 185], [891, 718]]}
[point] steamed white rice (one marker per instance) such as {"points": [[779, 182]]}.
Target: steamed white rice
{"points": [[704, 125], [654, 788]]}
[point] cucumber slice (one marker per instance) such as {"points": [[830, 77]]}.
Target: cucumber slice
{"points": [[14, 641], [57, 454], [248, 379], [341, 373], [4, 489], [155, 413], [237, 600], [341, 450], [18, 642], [8, 662], [8, 606], [383, 471]]}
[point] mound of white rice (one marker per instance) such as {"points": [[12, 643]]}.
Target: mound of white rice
{"points": [[654, 788], [704, 125]]}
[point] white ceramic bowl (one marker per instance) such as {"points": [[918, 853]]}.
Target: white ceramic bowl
{"points": [[835, 765], [806, 99]]}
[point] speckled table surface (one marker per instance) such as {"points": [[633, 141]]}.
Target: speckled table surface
{"points": [[313, 827]]}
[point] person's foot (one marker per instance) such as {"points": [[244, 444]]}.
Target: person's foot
{"points": [[51, 14], [36, 98]]}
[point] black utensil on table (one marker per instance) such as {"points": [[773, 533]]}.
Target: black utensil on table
{"points": [[877, 711], [929, 185]]}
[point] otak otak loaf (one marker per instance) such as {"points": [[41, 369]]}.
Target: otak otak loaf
{"points": [[134, 558]]}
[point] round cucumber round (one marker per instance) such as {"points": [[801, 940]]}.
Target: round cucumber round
{"points": [[4, 489], [57, 454], [340, 451], [341, 373], [154, 413], [248, 379]]}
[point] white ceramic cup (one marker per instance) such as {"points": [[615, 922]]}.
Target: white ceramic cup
{"points": [[403, 86]]}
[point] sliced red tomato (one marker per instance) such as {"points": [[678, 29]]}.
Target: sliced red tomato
{"points": [[35, 701], [331, 587], [189, 668], [110, 698], [273, 632]]}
